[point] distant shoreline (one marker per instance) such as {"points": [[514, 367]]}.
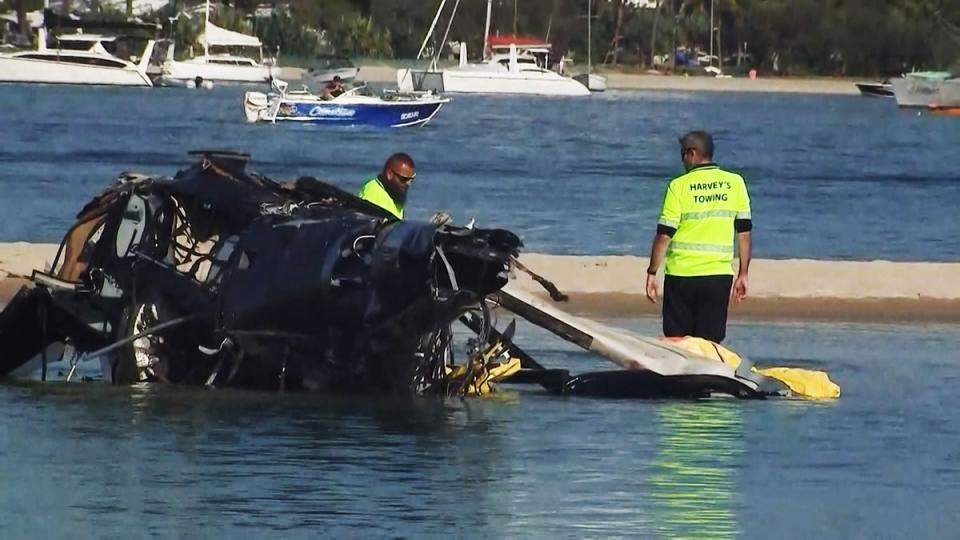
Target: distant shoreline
{"points": [[387, 74], [613, 286]]}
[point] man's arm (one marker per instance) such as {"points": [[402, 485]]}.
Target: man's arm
{"points": [[666, 227], [657, 250], [743, 224]]}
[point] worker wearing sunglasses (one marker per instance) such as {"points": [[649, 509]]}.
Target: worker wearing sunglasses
{"points": [[388, 190]]}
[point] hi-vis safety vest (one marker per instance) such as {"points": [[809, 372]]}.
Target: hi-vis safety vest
{"points": [[702, 206], [374, 192]]}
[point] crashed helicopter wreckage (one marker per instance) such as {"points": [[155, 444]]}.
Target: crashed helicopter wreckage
{"points": [[223, 277]]}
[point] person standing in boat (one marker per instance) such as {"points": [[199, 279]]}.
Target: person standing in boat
{"points": [[388, 190], [703, 210]]}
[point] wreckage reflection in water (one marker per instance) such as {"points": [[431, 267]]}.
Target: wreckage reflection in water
{"points": [[97, 460]]}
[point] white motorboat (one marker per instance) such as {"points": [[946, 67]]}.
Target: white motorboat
{"points": [[512, 65], [220, 66], [80, 58], [926, 89]]}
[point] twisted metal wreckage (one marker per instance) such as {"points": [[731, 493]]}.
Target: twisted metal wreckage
{"points": [[223, 277]]}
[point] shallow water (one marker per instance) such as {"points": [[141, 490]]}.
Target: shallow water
{"points": [[883, 461], [830, 176]]}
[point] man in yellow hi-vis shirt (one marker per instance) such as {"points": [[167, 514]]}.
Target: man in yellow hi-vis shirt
{"points": [[388, 190], [702, 212]]}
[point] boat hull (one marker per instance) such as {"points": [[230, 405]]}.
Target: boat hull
{"points": [[884, 90], [25, 70], [380, 113], [466, 81], [592, 81], [916, 92], [204, 71]]}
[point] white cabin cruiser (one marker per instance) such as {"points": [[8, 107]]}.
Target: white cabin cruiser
{"points": [[80, 59], [221, 66], [511, 65]]}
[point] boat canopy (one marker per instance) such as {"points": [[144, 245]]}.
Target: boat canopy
{"points": [[221, 37], [522, 42]]}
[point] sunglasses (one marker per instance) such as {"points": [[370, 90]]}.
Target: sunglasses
{"points": [[683, 151], [404, 179]]}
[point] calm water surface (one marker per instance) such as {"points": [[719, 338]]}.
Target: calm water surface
{"points": [[86, 460], [829, 176]]}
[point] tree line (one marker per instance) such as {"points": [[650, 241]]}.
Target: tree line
{"points": [[790, 37]]}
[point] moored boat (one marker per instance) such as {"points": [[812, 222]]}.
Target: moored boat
{"points": [[117, 58], [928, 88], [223, 66], [355, 106], [511, 65], [875, 89]]}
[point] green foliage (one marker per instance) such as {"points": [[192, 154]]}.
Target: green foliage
{"points": [[358, 35], [830, 37], [283, 32]]}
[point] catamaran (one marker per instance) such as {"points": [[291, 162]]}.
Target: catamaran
{"points": [[512, 65]]}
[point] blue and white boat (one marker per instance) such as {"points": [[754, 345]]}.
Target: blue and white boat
{"points": [[358, 105]]}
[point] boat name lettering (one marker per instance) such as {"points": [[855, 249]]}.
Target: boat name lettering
{"points": [[410, 115], [322, 110], [711, 185]]}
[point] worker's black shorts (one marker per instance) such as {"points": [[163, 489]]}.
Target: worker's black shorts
{"points": [[696, 306]]}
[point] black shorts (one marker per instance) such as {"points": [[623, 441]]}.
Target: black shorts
{"points": [[696, 306]]}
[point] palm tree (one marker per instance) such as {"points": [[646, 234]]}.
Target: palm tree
{"points": [[22, 21], [653, 33], [614, 50]]}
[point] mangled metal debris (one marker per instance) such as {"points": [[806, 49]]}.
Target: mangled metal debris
{"points": [[224, 277]]}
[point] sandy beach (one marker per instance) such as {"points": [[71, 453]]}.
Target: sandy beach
{"points": [[878, 291]]}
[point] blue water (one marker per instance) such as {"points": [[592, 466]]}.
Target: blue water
{"points": [[87, 460], [829, 176]]}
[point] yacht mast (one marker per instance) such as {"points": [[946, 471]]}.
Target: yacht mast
{"points": [[711, 32], [589, 38], [206, 32], [486, 31], [430, 31]]}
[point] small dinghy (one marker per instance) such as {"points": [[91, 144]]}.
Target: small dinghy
{"points": [[357, 105]]}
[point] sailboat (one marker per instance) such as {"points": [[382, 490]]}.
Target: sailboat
{"points": [[593, 82], [512, 65], [221, 66]]}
